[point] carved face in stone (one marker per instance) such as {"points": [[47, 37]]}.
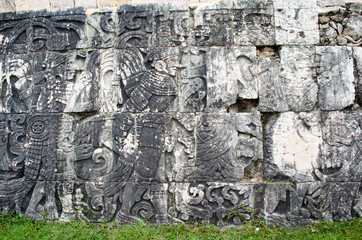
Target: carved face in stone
{"points": [[38, 127]]}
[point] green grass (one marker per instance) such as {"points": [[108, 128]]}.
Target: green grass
{"points": [[22, 228]]}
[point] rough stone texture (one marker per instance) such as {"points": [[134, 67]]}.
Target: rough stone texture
{"points": [[286, 79], [21, 5], [86, 3], [111, 3], [173, 113], [56, 4], [335, 77], [296, 22], [7, 6], [327, 3]]}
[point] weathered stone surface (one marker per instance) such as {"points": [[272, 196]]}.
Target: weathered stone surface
{"points": [[326, 3], [100, 29], [213, 24], [292, 145], [135, 25], [308, 201], [86, 3], [286, 80], [12, 150], [212, 202], [7, 6], [171, 24], [16, 77], [357, 57], [56, 4], [335, 77], [65, 82], [296, 22], [111, 3], [22, 5], [253, 22]]}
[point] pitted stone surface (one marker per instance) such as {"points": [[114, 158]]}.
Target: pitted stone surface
{"points": [[173, 113]]}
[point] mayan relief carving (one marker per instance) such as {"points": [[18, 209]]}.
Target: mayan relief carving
{"points": [[169, 113]]}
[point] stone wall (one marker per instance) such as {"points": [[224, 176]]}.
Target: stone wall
{"points": [[168, 112]]}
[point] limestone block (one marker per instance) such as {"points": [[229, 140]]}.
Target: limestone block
{"points": [[213, 24], [85, 3], [335, 77], [65, 82], [16, 77], [104, 148], [58, 30], [212, 79], [296, 22], [253, 22], [341, 155], [21, 5], [13, 148], [327, 3], [308, 201], [13, 32], [286, 81], [357, 56], [212, 202], [292, 143], [171, 24], [56, 4], [7, 6], [111, 3], [100, 29], [135, 25]]}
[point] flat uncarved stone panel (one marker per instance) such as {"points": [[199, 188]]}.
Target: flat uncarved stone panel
{"points": [[309, 201], [58, 30], [105, 148], [335, 77], [213, 24], [50, 141], [292, 144], [56, 4], [253, 22], [326, 3], [123, 202], [296, 22], [139, 80], [7, 6], [16, 77], [86, 3], [212, 202], [225, 145], [286, 82], [65, 82], [135, 25], [12, 149], [357, 56], [22, 5], [111, 3], [341, 153], [100, 29], [13, 32]]}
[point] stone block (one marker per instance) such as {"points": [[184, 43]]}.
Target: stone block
{"points": [[286, 81], [111, 3], [13, 148], [213, 24], [135, 26], [296, 22], [100, 29], [56, 4], [328, 3], [105, 148], [309, 201], [7, 6], [16, 72], [335, 77], [253, 22], [357, 56], [171, 25], [14, 32], [212, 202], [65, 82], [50, 141], [85, 3], [292, 142], [57, 30], [21, 5]]}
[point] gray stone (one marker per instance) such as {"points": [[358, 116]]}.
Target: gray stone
{"points": [[335, 77], [286, 81], [213, 202], [16, 74], [357, 56], [213, 24], [296, 22], [135, 25], [100, 29], [327, 3], [253, 22]]}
